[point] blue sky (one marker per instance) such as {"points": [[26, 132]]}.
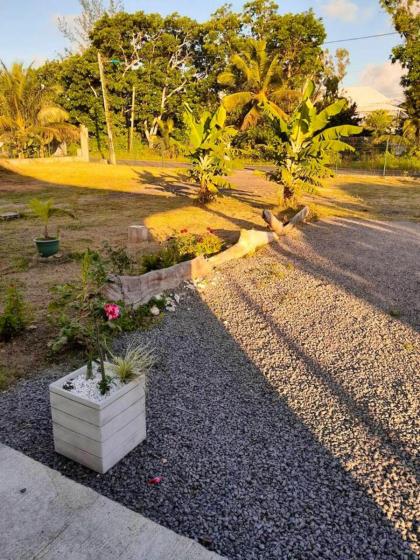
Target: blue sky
{"points": [[28, 31]]}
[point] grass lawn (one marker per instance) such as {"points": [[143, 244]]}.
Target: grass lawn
{"points": [[107, 199]]}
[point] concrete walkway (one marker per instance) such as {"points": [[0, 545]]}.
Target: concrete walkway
{"points": [[45, 516]]}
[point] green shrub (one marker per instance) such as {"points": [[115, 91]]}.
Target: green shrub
{"points": [[14, 318], [72, 304], [191, 245], [167, 256], [118, 260], [182, 247]]}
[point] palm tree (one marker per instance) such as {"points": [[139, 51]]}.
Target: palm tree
{"points": [[411, 134], [29, 120], [259, 78]]}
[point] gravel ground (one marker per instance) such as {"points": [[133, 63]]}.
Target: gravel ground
{"points": [[282, 416]]}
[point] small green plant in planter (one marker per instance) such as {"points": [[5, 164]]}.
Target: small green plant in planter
{"points": [[135, 361], [44, 210]]}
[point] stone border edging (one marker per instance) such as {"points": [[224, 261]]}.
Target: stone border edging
{"points": [[137, 290]]}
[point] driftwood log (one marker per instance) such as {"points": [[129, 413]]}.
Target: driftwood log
{"points": [[249, 241], [282, 229]]}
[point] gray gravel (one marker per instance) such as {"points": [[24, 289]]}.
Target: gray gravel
{"points": [[282, 415]]}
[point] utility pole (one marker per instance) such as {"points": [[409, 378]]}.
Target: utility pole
{"points": [[112, 158], [131, 137]]}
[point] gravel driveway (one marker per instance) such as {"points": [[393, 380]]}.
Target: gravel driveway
{"points": [[283, 415]]}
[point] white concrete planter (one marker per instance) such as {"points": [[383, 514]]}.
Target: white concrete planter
{"points": [[98, 435]]}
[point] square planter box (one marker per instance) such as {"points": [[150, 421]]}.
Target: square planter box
{"points": [[98, 435]]}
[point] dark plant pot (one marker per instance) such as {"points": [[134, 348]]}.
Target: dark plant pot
{"points": [[47, 247]]}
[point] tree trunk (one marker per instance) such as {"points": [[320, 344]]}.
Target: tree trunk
{"points": [[112, 158], [131, 137]]}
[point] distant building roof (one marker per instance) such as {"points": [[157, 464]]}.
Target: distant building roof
{"points": [[369, 99]]}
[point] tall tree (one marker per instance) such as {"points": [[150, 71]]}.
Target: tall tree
{"points": [[77, 29], [156, 54], [406, 18]]}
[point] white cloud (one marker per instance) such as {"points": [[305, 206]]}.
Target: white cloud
{"points": [[383, 77], [343, 10]]}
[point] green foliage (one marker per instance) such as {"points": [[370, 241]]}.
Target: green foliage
{"points": [[174, 59], [190, 245], [182, 247], [306, 143], [208, 147], [406, 18], [257, 76], [105, 383], [118, 260], [45, 209], [14, 318], [135, 361], [167, 256], [77, 307], [30, 119], [380, 124]]}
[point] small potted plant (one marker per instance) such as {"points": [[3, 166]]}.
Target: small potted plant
{"points": [[44, 209], [98, 411]]}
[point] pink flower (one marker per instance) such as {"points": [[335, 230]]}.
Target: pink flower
{"points": [[112, 311], [155, 480]]}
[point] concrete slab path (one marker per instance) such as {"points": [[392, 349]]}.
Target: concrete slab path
{"points": [[45, 516]]}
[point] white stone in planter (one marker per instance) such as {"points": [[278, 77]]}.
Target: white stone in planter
{"points": [[98, 434]]}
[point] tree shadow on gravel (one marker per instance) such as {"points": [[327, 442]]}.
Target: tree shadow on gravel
{"points": [[352, 408], [375, 261], [240, 471]]}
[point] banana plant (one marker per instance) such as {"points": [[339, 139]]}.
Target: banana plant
{"points": [[305, 144], [208, 147]]}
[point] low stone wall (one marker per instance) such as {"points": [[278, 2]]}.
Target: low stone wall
{"points": [[136, 290]]}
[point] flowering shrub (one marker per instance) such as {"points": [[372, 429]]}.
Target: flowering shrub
{"points": [[86, 320]]}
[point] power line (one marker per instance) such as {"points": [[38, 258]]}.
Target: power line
{"points": [[358, 38]]}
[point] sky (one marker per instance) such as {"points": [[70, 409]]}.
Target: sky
{"points": [[28, 31]]}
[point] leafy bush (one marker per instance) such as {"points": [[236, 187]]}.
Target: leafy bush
{"points": [[15, 315], [191, 245], [167, 256], [182, 247], [73, 304], [118, 260]]}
